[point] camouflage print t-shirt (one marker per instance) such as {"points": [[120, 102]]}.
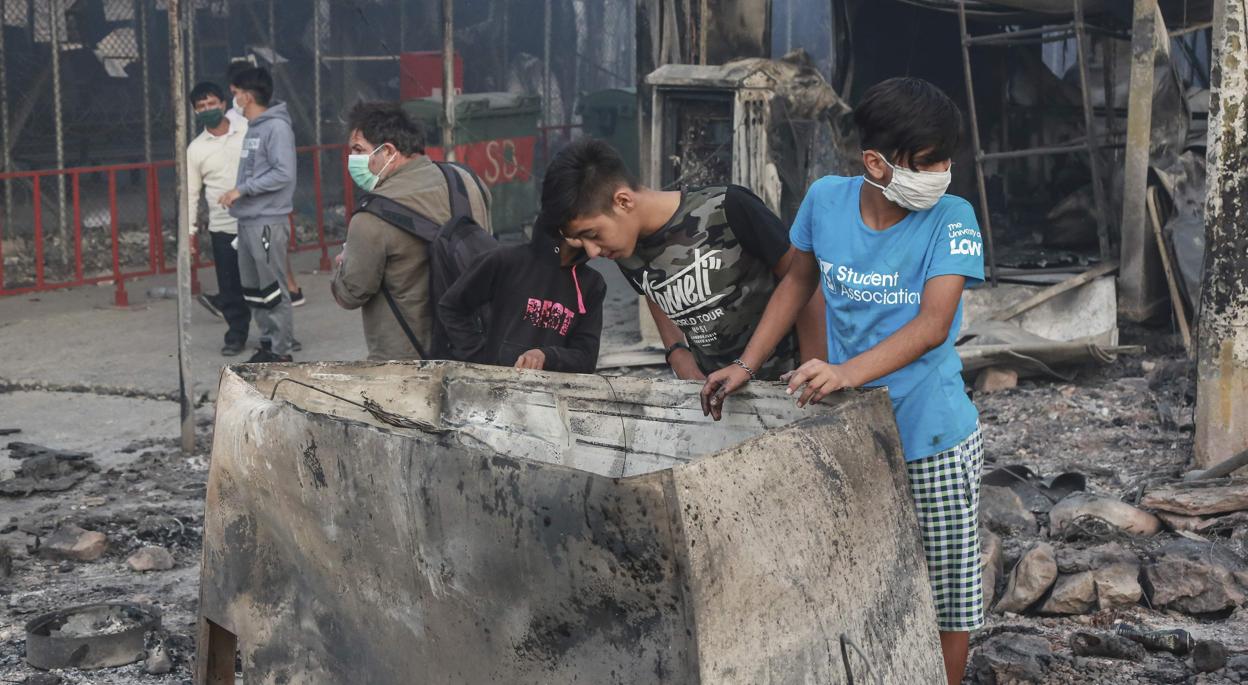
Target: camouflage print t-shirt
{"points": [[710, 270]]}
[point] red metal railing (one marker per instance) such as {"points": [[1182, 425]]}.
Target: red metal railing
{"points": [[122, 268]]}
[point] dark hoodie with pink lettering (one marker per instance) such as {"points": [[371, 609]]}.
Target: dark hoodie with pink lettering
{"points": [[530, 302]]}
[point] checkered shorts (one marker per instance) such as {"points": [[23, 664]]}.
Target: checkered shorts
{"points": [[945, 488]]}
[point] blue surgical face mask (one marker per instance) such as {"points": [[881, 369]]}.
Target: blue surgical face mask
{"points": [[357, 166]]}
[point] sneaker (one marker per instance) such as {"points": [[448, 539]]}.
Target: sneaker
{"points": [[209, 305], [232, 349], [297, 299], [295, 345], [267, 357]]}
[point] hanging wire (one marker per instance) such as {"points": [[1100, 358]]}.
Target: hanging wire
{"points": [[385, 48], [615, 398], [846, 644]]}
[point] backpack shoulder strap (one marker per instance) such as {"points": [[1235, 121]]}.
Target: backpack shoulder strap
{"points": [[460, 205], [399, 215], [407, 329]]}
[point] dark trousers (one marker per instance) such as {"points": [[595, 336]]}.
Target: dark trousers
{"points": [[229, 298]]}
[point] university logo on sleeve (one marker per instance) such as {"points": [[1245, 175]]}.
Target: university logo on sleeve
{"points": [[965, 240]]}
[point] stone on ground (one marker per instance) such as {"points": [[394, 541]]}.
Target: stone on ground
{"points": [[1177, 522], [1011, 658], [1195, 578], [74, 543], [1118, 585], [1115, 512], [150, 559], [990, 562], [1072, 595], [1072, 559], [1031, 577], [1209, 656], [995, 379], [1003, 511]]}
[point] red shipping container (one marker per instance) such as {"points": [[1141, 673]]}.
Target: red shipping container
{"points": [[420, 75]]}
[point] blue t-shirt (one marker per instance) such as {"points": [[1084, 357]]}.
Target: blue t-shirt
{"points": [[873, 285]]}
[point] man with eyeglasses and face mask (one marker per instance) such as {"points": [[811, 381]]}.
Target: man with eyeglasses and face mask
{"points": [[387, 158], [212, 168]]}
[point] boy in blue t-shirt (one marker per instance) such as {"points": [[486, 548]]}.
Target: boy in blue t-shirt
{"points": [[893, 253]]}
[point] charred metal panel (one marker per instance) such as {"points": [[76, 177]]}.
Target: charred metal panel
{"points": [[497, 544]]}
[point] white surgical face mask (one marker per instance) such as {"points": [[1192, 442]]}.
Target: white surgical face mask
{"points": [[237, 106], [914, 190]]}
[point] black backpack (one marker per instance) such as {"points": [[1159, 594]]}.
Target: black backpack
{"points": [[454, 247]]}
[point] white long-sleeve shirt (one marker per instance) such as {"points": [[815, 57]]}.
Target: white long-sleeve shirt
{"points": [[212, 168]]}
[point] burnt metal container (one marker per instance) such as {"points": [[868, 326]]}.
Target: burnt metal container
{"points": [[91, 636], [446, 523]]}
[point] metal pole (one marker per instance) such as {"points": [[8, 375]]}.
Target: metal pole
{"points": [[58, 22], [788, 26], [986, 224], [504, 55], [316, 74], [704, 30], [272, 33], [1222, 368], [140, 12], [177, 87], [1137, 253], [229, 46], [547, 110], [448, 79], [402, 26], [1094, 148], [191, 62], [4, 122]]}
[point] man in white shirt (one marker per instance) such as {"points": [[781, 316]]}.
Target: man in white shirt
{"points": [[212, 169]]}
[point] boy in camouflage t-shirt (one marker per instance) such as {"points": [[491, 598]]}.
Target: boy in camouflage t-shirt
{"points": [[707, 260]]}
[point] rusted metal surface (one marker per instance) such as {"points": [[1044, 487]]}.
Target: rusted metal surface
{"points": [[1222, 370], [556, 528]]}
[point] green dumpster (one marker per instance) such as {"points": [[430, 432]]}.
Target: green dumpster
{"points": [[495, 135], [611, 115]]}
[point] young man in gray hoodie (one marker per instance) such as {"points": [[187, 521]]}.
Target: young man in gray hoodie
{"points": [[262, 201]]}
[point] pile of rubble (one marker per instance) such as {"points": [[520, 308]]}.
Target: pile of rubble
{"points": [[81, 534], [1148, 584], [1102, 565]]}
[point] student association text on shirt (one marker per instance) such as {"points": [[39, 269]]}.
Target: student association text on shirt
{"points": [[873, 284]]}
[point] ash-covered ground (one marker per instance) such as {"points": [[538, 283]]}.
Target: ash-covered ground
{"points": [[1121, 430]]}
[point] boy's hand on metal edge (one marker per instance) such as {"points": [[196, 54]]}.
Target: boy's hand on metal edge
{"points": [[720, 385], [685, 366], [533, 359], [819, 378]]}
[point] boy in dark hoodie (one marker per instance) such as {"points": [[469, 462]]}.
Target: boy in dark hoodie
{"points": [[545, 307]]}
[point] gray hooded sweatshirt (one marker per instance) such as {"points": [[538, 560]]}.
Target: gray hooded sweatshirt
{"points": [[266, 169]]}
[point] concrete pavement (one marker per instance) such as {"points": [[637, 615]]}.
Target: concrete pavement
{"points": [[75, 339]]}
